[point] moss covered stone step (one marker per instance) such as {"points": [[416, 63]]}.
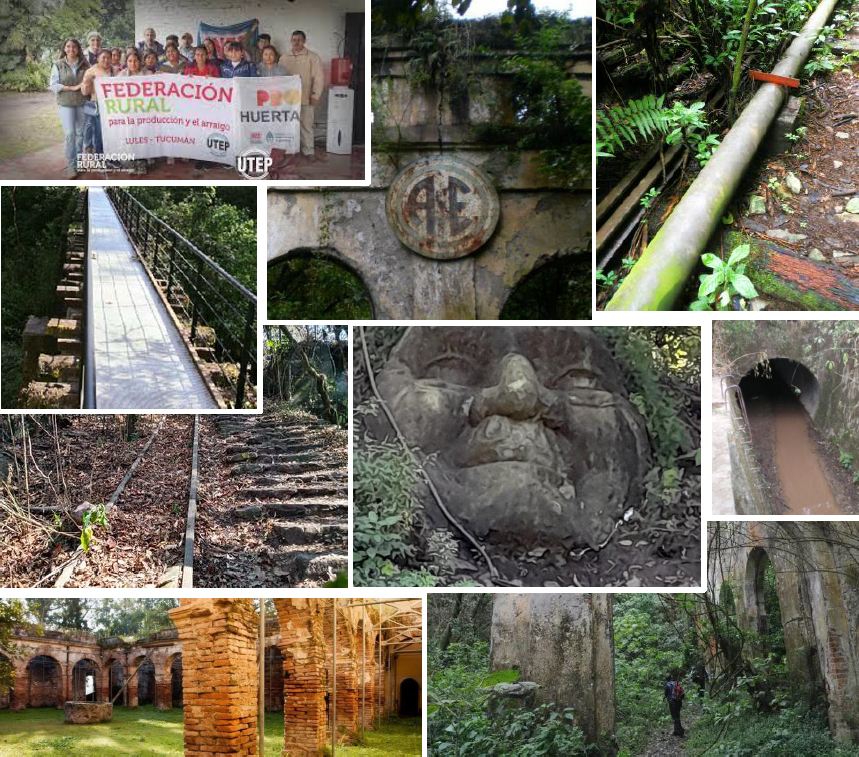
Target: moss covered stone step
{"points": [[43, 394], [59, 368], [309, 532], [64, 328], [322, 506], [273, 492], [308, 467]]}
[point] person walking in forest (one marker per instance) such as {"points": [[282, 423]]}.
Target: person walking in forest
{"points": [[67, 76], [674, 695]]}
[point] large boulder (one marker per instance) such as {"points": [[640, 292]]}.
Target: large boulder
{"points": [[81, 713]]}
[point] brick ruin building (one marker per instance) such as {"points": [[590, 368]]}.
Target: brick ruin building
{"points": [[208, 665]]}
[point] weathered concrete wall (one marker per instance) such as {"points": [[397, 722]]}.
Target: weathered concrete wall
{"points": [[564, 643], [830, 395], [818, 592], [537, 221]]}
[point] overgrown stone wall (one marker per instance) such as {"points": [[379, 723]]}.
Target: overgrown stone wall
{"points": [[818, 592], [537, 220], [564, 643]]}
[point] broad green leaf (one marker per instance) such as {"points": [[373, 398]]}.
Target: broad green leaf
{"points": [[744, 286], [739, 253]]}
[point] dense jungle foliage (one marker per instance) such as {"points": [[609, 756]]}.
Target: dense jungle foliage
{"points": [[220, 221], [313, 286], [663, 366], [744, 707], [33, 32], [35, 222], [306, 368]]}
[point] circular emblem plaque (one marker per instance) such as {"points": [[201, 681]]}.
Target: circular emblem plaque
{"points": [[442, 208]]}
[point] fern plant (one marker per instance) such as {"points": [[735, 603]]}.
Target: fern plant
{"points": [[623, 125]]}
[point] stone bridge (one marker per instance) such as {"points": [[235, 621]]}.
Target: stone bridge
{"points": [[804, 356], [817, 582]]}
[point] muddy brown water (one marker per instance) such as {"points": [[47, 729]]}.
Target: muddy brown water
{"points": [[785, 443]]}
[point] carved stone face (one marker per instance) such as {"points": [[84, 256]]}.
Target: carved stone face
{"points": [[528, 430]]}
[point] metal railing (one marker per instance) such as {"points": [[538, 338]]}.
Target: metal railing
{"points": [[198, 289]]}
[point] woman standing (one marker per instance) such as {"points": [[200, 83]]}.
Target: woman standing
{"points": [[133, 67], [202, 66], [212, 51], [116, 60], [268, 65], [102, 67], [67, 75]]}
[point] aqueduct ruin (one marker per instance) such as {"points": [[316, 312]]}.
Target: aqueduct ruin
{"points": [[208, 664], [816, 566]]}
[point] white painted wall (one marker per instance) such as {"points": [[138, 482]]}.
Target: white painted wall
{"points": [[323, 21]]}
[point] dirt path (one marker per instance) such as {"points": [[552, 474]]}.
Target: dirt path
{"points": [[799, 464], [663, 744], [817, 218], [273, 505], [29, 122]]}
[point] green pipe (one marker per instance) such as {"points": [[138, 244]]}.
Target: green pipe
{"points": [[660, 275], [738, 63]]}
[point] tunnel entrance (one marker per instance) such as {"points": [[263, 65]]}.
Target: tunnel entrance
{"points": [[410, 698], [801, 473]]}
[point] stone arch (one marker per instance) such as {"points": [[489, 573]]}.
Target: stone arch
{"points": [[543, 291], [727, 600], [45, 682], [85, 673], [792, 373], [410, 698], [312, 259], [274, 676], [145, 680], [174, 667], [6, 691], [115, 679], [756, 566]]}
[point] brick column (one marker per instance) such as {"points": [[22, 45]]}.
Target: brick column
{"points": [[304, 675], [164, 692], [131, 689], [347, 681], [369, 700], [220, 677], [20, 688]]}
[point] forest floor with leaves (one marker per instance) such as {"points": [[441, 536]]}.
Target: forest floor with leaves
{"points": [[663, 743], [84, 461]]}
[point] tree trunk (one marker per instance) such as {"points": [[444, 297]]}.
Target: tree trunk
{"points": [[448, 631], [319, 379]]}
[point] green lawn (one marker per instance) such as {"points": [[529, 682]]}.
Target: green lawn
{"points": [[145, 732]]}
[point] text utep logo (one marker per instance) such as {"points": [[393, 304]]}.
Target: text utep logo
{"points": [[254, 163], [277, 98]]}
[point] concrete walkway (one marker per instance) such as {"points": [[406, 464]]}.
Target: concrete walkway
{"points": [[723, 493], [141, 361]]}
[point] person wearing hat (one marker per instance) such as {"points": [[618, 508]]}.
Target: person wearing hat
{"points": [[263, 41], [94, 39], [302, 62], [186, 49]]}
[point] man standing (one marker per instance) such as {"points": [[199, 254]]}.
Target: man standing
{"points": [[187, 48], [306, 64], [674, 696], [150, 44], [235, 65]]}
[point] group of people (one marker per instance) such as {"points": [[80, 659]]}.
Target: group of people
{"points": [[75, 69]]}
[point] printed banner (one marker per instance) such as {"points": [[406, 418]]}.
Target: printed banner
{"points": [[170, 115], [270, 113], [246, 32]]}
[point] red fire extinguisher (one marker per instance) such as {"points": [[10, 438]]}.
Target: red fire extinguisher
{"points": [[341, 72]]}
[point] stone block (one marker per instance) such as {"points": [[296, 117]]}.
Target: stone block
{"points": [[81, 713]]}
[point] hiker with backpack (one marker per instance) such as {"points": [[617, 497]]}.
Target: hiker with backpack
{"points": [[674, 694]]}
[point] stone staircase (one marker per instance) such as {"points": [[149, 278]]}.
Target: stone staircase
{"points": [[289, 474], [53, 346]]}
